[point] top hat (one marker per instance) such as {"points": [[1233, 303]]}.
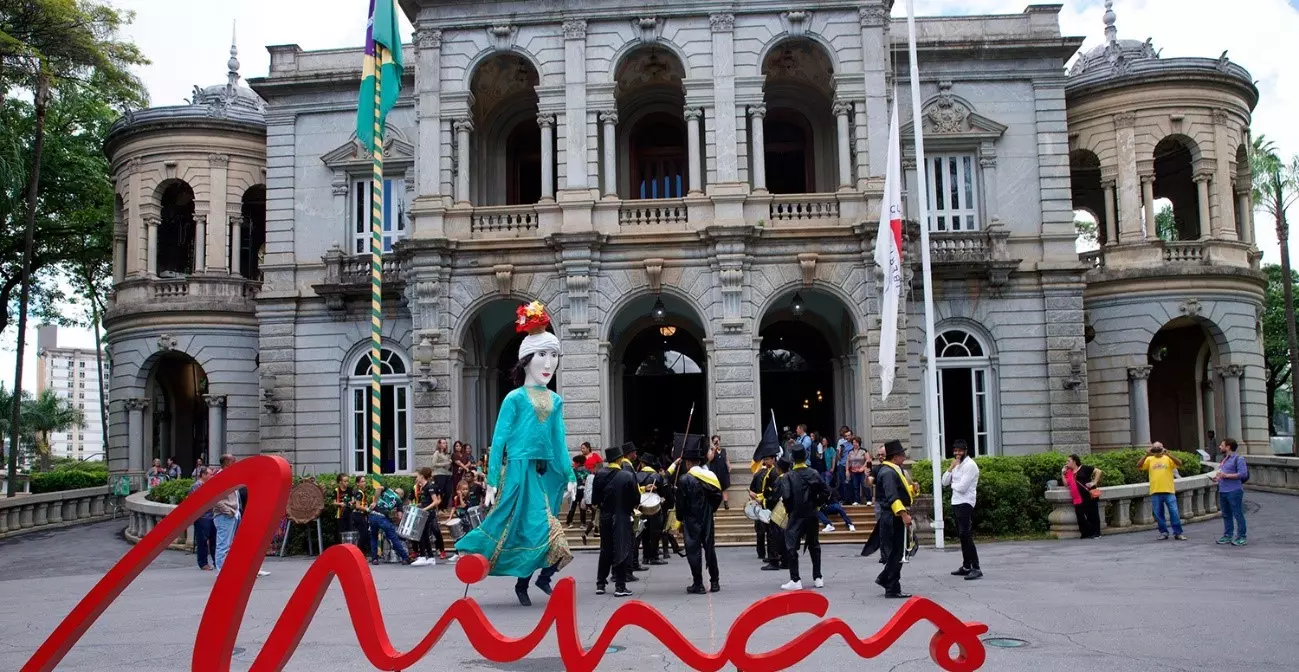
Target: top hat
{"points": [[695, 451], [612, 454], [892, 448], [799, 454]]}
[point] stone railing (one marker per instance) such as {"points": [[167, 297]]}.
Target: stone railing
{"points": [[1273, 474], [513, 219], [145, 515], [1190, 252], [959, 247], [24, 483], [656, 212], [805, 208], [54, 509], [171, 288], [1126, 508]]}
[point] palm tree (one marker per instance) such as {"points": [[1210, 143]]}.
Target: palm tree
{"points": [[43, 415], [1276, 186]]}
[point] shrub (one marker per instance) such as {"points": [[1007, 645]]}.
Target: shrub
{"points": [[171, 492], [58, 481]]}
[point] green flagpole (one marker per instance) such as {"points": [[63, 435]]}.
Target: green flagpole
{"points": [[376, 271]]}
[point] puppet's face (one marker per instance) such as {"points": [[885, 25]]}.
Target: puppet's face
{"points": [[541, 370]]}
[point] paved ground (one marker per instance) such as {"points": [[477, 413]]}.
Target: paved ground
{"points": [[1119, 604]]}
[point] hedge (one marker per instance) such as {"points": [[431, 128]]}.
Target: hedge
{"points": [[67, 479], [1011, 499], [171, 492]]}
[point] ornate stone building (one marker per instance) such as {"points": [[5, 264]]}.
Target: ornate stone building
{"points": [[694, 194]]}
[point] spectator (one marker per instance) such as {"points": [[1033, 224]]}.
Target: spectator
{"points": [[198, 469], [719, 464], [592, 458], [817, 459], [963, 477], [225, 517], [1232, 474], [841, 463], [1081, 481], [441, 466], [828, 473], [204, 527], [156, 475], [1160, 465], [802, 438], [834, 507], [579, 502], [173, 470], [858, 462]]}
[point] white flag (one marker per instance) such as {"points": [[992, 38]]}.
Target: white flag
{"points": [[888, 256]]}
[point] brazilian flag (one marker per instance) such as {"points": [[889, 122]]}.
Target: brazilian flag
{"points": [[382, 58]]}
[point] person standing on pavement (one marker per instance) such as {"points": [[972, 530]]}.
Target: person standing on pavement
{"points": [[1160, 465], [962, 476], [840, 480], [894, 496], [616, 496], [1081, 481], [204, 528], [1232, 474], [803, 493]]}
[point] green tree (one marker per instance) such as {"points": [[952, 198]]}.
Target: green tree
{"points": [[44, 415], [1166, 223], [1276, 186], [1087, 233], [1276, 355]]}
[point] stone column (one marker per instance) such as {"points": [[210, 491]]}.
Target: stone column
{"points": [[1128, 185], [236, 245], [151, 255], [692, 143], [547, 124], [1231, 374], [1138, 390], [135, 435], [874, 21], [575, 104], [841, 110], [1110, 214], [1150, 230], [725, 139], [1245, 206], [1207, 230], [216, 427], [463, 128], [120, 247], [200, 242], [609, 127], [759, 150], [428, 81]]}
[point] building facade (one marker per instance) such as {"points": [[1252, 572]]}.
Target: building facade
{"points": [[694, 193], [73, 374]]}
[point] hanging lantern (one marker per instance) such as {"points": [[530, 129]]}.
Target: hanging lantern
{"points": [[796, 305], [659, 312], [667, 331]]}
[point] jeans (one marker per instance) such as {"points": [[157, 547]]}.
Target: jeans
{"points": [[380, 523], [225, 534], [857, 484], [205, 535], [841, 477], [832, 507], [1157, 502], [964, 514], [1233, 513]]}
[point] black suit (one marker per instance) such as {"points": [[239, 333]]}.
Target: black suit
{"points": [[616, 494], [649, 539], [796, 491], [889, 489], [697, 501]]}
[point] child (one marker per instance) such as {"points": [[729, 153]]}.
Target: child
{"points": [[579, 470], [834, 506]]}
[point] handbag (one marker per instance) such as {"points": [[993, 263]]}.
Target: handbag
{"points": [[1095, 493]]}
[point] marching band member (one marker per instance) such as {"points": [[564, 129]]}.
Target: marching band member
{"points": [[429, 496], [698, 495], [360, 513], [765, 457], [617, 496], [894, 492], [649, 481], [386, 501], [802, 491]]}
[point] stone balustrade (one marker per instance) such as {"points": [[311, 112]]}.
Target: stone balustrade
{"points": [[24, 483], [515, 220], [1273, 474], [1126, 508], [144, 515], [656, 212], [51, 510], [805, 208]]}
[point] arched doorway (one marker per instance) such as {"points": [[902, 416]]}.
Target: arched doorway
{"points": [[1174, 180], [486, 357], [1181, 393], [965, 392], [658, 371], [179, 428], [395, 419], [252, 233], [176, 230], [805, 372]]}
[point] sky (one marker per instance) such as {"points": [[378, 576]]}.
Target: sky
{"points": [[189, 44]]}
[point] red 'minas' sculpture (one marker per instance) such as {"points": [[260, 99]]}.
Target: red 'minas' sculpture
{"points": [[268, 479]]}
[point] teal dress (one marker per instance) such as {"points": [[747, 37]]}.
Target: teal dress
{"points": [[515, 535]]}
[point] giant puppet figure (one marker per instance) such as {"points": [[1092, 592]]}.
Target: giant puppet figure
{"points": [[529, 473]]}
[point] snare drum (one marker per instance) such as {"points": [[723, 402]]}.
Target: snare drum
{"points": [[412, 524], [473, 517], [752, 510], [456, 527], [349, 537], [650, 503]]}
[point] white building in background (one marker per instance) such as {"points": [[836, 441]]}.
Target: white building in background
{"points": [[72, 374]]}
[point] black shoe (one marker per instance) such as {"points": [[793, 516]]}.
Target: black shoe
{"points": [[697, 590], [681, 554], [523, 597], [631, 578], [897, 596], [770, 567], [599, 590], [881, 584], [961, 572], [621, 591], [714, 587], [974, 574], [544, 586], [640, 568], [656, 561]]}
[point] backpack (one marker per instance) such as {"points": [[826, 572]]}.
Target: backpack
{"points": [[1245, 479]]}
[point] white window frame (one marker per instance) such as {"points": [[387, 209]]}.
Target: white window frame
{"points": [[964, 216], [981, 371], [396, 225], [357, 415]]}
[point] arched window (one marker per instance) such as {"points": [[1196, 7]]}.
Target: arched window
{"points": [[395, 414], [175, 253], [659, 163], [789, 153], [1174, 180], [252, 233], [964, 392]]}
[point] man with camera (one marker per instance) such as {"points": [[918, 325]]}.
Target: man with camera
{"points": [[1160, 465], [963, 478]]}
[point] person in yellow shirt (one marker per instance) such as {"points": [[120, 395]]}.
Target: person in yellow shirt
{"points": [[1159, 464]]}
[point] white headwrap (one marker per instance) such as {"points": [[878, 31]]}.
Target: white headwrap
{"points": [[534, 343]]}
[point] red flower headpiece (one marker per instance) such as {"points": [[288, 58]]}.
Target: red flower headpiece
{"points": [[532, 318]]}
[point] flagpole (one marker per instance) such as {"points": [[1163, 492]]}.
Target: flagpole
{"points": [[376, 271], [922, 197]]}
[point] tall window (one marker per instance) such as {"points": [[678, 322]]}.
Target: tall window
{"points": [[394, 214], [952, 188], [659, 160], [964, 392], [395, 414]]}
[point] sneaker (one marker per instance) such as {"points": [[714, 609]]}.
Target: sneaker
{"points": [[973, 575], [262, 572], [1163, 536], [599, 590], [852, 528], [1223, 540], [1180, 537], [441, 556], [963, 571], [621, 591], [828, 528], [420, 562], [771, 567], [1239, 542], [818, 582], [792, 585]]}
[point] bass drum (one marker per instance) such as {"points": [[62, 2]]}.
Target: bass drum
{"points": [[753, 510], [779, 516], [412, 523]]}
